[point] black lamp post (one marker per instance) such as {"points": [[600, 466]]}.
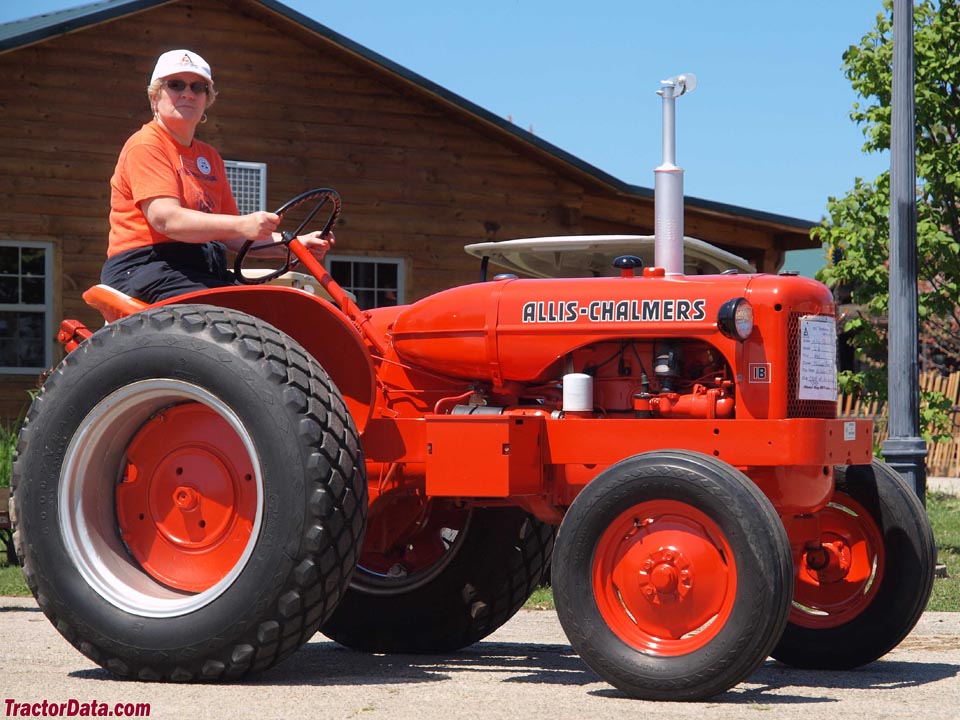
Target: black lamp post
{"points": [[904, 449]]}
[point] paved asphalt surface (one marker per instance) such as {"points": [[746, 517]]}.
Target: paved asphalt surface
{"points": [[525, 670]]}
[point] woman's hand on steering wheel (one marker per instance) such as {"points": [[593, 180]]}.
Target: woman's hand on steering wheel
{"points": [[317, 242], [260, 226]]}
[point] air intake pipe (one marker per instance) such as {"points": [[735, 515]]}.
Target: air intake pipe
{"points": [[668, 182]]}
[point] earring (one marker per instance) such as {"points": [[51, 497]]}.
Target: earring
{"points": [[203, 119]]}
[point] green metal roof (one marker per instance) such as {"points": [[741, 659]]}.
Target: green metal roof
{"points": [[30, 30]]}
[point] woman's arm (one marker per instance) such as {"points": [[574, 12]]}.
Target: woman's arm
{"points": [[167, 216]]}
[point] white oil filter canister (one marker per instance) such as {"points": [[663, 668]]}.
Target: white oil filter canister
{"points": [[577, 392]]}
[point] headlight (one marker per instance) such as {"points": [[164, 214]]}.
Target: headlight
{"points": [[735, 319]]}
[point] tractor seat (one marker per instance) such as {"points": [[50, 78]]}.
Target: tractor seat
{"points": [[112, 303]]}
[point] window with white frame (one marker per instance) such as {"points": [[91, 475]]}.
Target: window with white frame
{"points": [[26, 307], [374, 282], [248, 181]]}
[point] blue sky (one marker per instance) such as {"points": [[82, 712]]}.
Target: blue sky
{"points": [[767, 128]]}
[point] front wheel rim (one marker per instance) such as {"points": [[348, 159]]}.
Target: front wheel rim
{"points": [[664, 578], [413, 559], [93, 469], [832, 596]]}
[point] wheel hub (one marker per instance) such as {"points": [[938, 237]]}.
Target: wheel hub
{"points": [[198, 510], [666, 576], [187, 501], [828, 563], [186, 498]]}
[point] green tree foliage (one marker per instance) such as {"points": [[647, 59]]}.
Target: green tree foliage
{"points": [[857, 227]]}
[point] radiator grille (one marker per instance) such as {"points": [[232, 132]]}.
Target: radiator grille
{"points": [[797, 408]]}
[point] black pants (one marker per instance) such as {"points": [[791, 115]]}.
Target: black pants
{"points": [[163, 271]]}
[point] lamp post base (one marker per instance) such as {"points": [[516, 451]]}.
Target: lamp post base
{"points": [[907, 456]]}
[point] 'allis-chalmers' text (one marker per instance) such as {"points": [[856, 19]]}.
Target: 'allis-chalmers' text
{"points": [[566, 311]]}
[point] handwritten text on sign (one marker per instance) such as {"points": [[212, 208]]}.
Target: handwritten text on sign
{"points": [[818, 358]]}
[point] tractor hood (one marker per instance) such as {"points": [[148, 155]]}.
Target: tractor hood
{"points": [[514, 330]]}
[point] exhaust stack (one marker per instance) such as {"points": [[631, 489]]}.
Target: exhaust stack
{"points": [[668, 182]]}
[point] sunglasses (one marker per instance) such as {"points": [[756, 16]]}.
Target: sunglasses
{"points": [[197, 86]]}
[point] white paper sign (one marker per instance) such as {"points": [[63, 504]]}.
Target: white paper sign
{"points": [[818, 358]]}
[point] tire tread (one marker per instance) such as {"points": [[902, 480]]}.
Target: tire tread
{"points": [[324, 425]]}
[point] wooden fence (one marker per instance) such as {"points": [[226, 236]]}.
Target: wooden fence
{"points": [[943, 458]]}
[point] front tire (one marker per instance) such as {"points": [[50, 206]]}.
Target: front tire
{"points": [[859, 607], [672, 576], [190, 495]]}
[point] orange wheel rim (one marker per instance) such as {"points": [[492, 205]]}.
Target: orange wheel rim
{"points": [[664, 578], [409, 541], [837, 583], [188, 500]]}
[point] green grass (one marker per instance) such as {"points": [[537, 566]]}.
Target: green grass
{"points": [[944, 512], [542, 599], [11, 581], [8, 441]]}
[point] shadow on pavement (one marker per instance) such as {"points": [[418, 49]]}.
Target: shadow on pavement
{"points": [[326, 663], [879, 675], [323, 663], [883, 675]]}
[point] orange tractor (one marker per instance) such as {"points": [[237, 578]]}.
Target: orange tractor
{"points": [[203, 484]]}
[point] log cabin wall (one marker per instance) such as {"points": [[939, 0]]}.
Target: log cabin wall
{"points": [[420, 176]]}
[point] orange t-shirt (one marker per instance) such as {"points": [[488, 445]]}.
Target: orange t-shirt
{"points": [[152, 164]]}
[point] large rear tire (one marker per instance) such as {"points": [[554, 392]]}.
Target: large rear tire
{"points": [[857, 608], [190, 495], [460, 577], [672, 576]]}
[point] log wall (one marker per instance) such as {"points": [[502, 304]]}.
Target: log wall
{"points": [[419, 178]]}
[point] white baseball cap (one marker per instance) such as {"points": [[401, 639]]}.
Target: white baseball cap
{"points": [[175, 61]]}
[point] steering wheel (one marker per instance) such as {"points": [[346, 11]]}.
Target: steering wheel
{"points": [[322, 196]]}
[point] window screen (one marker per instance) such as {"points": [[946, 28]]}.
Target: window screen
{"points": [[248, 181]]}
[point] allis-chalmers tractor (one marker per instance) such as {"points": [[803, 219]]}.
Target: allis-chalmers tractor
{"points": [[204, 483]]}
